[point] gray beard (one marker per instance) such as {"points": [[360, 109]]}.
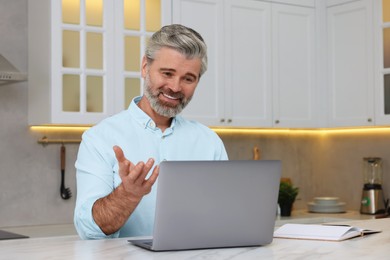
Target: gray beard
{"points": [[158, 106]]}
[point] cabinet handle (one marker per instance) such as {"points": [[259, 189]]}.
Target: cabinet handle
{"points": [[229, 120], [369, 120], [277, 121], [222, 120]]}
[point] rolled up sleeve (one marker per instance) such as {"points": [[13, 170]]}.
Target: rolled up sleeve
{"points": [[94, 173]]}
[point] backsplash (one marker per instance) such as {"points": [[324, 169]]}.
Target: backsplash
{"points": [[320, 165]]}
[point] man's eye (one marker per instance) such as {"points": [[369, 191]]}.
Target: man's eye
{"points": [[167, 74], [189, 79]]}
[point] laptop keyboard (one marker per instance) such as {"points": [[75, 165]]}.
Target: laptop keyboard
{"points": [[149, 243]]}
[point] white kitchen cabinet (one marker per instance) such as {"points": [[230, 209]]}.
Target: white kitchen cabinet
{"points": [[238, 88], [295, 92], [206, 17], [84, 56], [248, 63], [58, 62], [351, 64], [382, 61]]}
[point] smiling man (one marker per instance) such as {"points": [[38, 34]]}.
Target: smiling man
{"points": [[117, 163]]}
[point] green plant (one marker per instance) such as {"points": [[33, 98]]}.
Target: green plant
{"points": [[287, 193]]}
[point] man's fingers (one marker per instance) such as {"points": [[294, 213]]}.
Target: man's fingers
{"points": [[148, 165], [136, 174], [119, 154], [136, 171], [152, 179]]}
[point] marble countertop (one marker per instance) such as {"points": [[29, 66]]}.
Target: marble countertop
{"points": [[298, 216], [305, 217], [375, 246]]}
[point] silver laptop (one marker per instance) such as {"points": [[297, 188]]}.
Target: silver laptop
{"points": [[214, 204]]}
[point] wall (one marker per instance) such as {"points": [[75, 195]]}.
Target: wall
{"points": [[29, 172], [321, 165], [329, 164]]}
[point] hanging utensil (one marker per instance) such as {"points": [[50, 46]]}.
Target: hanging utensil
{"points": [[65, 192]]}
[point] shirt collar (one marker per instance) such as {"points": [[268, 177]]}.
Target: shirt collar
{"points": [[143, 118]]}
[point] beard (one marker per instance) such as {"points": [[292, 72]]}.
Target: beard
{"points": [[160, 107]]}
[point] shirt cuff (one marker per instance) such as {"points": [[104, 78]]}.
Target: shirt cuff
{"points": [[85, 224]]}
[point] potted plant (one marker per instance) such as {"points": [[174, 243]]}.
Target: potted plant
{"points": [[286, 198]]}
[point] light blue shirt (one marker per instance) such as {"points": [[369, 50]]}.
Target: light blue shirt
{"points": [[136, 133]]}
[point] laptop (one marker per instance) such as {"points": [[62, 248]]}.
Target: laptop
{"points": [[214, 204]]}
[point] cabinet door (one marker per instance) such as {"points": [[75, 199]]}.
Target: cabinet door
{"points": [[248, 63], [382, 62], [350, 64], [82, 61], [70, 61], [207, 105], [84, 56], [135, 22], [293, 63]]}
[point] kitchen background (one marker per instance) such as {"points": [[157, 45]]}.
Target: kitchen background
{"points": [[320, 164]]}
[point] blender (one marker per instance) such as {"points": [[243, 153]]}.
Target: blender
{"points": [[372, 196]]}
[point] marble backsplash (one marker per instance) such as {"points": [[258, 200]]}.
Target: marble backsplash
{"points": [[329, 164]]}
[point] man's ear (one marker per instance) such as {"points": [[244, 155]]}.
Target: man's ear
{"points": [[144, 66]]}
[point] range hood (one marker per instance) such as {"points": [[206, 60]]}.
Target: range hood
{"points": [[9, 73]]}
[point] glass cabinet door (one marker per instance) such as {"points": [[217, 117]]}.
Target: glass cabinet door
{"points": [[386, 54], [85, 70], [85, 56], [138, 20]]}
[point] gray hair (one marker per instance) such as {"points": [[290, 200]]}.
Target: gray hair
{"points": [[180, 38]]}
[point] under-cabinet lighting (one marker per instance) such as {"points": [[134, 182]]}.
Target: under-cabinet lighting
{"points": [[266, 131], [243, 131], [319, 131], [60, 128]]}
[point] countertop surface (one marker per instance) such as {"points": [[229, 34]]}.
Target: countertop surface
{"points": [[374, 246], [298, 216], [61, 242]]}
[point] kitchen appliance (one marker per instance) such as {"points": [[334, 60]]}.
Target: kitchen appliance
{"points": [[9, 73], [372, 196]]}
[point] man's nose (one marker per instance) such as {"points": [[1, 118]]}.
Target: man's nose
{"points": [[175, 85]]}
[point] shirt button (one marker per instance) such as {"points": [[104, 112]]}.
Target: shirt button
{"points": [[152, 124]]}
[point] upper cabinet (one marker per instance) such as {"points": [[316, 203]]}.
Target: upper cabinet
{"points": [[351, 64], [382, 61], [84, 56], [272, 63], [206, 17], [253, 78], [295, 90], [247, 45]]}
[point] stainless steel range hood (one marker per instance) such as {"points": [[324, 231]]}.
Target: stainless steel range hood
{"points": [[9, 73]]}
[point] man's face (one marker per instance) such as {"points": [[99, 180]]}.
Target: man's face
{"points": [[170, 81]]}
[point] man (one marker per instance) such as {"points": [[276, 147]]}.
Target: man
{"points": [[115, 175]]}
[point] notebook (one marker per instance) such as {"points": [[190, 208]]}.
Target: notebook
{"points": [[214, 204]]}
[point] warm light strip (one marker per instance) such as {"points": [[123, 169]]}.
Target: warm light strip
{"points": [[259, 131], [383, 130], [60, 128], [320, 131]]}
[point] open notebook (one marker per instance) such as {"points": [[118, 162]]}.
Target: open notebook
{"points": [[321, 232]]}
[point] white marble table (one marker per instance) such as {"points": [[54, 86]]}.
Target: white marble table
{"points": [[376, 246]]}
